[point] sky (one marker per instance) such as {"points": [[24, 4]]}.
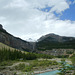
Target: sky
{"points": [[28, 19]]}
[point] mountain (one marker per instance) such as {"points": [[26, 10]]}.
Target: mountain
{"points": [[46, 42], [53, 41], [10, 40], [30, 40]]}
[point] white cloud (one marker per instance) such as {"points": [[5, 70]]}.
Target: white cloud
{"points": [[3, 21], [60, 7], [17, 4], [23, 19]]}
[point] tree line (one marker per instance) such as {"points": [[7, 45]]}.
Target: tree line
{"points": [[7, 54], [46, 45]]}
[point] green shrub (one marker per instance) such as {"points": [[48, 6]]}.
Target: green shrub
{"points": [[20, 67], [6, 63]]}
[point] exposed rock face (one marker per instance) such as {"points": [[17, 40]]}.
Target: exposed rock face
{"points": [[14, 42], [55, 38]]}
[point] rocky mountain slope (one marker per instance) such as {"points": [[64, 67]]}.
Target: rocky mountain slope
{"points": [[14, 42], [53, 41]]}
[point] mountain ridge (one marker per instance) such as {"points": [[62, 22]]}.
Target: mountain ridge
{"points": [[46, 42], [12, 41], [58, 37], [53, 41]]}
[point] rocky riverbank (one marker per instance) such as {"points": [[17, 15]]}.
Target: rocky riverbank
{"points": [[46, 70]]}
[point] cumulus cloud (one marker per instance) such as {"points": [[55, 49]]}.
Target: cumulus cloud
{"points": [[25, 19]]}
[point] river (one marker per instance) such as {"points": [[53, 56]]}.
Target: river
{"points": [[53, 72], [49, 73]]}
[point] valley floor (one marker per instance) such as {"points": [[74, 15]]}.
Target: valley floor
{"points": [[36, 66]]}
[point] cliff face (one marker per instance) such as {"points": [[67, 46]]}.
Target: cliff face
{"points": [[14, 42]]}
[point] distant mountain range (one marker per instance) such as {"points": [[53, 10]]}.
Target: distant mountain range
{"points": [[53, 41], [47, 42]]}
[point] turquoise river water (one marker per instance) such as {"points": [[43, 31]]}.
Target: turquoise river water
{"points": [[49, 73]]}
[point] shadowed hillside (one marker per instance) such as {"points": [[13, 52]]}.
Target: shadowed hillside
{"points": [[53, 41]]}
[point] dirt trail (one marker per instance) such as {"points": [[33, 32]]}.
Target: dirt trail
{"points": [[58, 60]]}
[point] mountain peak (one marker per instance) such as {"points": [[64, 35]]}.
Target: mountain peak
{"points": [[51, 34], [48, 35]]}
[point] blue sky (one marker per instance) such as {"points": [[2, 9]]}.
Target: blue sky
{"points": [[68, 14]]}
